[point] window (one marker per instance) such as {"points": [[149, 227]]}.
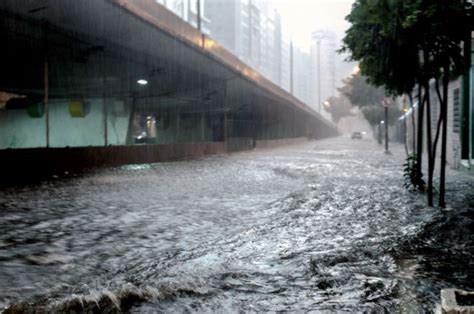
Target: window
{"points": [[456, 111]]}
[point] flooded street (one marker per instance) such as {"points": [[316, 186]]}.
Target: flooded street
{"points": [[322, 225]]}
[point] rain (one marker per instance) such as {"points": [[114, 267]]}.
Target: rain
{"points": [[236, 156]]}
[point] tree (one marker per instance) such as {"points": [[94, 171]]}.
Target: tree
{"points": [[400, 43], [338, 107], [374, 114], [369, 99], [387, 54], [360, 93], [442, 53]]}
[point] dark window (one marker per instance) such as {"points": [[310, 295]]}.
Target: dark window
{"points": [[456, 111]]}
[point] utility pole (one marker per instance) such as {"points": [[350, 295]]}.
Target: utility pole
{"points": [[198, 3], [386, 130], [291, 67], [250, 28], [319, 75], [46, 99], [386, 103], [46, 80], [104, 108]]}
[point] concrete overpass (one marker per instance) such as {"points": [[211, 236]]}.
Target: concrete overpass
{"points": [[122, 75]]}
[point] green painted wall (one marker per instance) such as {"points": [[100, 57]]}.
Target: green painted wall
{"points": [[18, 130], [65, 130], [184, 130], [118, 118]]}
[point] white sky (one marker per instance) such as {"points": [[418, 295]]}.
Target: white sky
{"points": [[301, 17]]}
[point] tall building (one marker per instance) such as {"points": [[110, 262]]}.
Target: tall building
{"points": [[232, 22], [302, 80], [344, 68], [323, 59], [188, 11], [251, 29], [285, 76]]}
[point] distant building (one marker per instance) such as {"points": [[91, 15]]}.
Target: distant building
{"points": [[188, 11], [285, 77], [324, 48], [302, 76], [252, 30]]}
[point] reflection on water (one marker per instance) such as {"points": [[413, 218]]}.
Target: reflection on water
{"points": [[320, 226]]}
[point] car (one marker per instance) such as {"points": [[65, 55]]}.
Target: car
{"points": [[141, 138], [356, 135]]}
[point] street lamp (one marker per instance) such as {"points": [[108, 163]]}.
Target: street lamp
{"points": [[356, 70], [386, 103]]}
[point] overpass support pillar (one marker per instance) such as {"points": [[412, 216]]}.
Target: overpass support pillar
{"points": [[203, 126]]}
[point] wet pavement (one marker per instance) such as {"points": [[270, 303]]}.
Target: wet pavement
{"points": [[319, 226]]}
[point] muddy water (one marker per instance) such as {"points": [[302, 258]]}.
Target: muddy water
{"points": [[323, 225]]}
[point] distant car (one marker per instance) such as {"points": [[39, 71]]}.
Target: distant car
{"points": [[356, 135], [141, 138]]}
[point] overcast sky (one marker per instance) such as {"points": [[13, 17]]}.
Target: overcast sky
{"points": [[301, 17]]}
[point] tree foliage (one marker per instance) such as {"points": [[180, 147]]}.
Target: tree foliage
{"points": [[369, 99], [338, 107], [384, 49], [388, 38], [375, 114], [360, 93], [401, 43]]}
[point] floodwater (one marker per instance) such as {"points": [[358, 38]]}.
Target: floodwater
{"points": [[318, 226]]}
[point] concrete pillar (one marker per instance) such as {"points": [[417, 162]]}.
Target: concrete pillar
{"points": [[203, 126], [46, 100], [226, 127], [178, 127], [104, 103]]}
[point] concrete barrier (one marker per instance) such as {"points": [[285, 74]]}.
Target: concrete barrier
{"points": [[32, 163], [456, 301], [21, 164], [279, 142], [235, 144]]}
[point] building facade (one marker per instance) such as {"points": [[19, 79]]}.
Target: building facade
{"points": [[252, 30], [302, 80], [460, 135], [92, 82], [188, 11], [323, 63], [463, 111]]}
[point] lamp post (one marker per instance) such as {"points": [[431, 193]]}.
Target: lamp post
{"points": [[386, 103], [198, 15], [379, 133], [291, 67], [319, 75]]}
